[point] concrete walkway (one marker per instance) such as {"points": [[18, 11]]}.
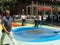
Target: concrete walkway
{"points": [[7, 40]]}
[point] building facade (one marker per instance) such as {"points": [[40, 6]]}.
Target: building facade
{"points": [[38, 7]]}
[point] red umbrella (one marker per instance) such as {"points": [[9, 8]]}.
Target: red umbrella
{"points": [[40, 8], [47, 8]]}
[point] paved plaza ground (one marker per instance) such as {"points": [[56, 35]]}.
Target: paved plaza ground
{"points": [[7, 40]]}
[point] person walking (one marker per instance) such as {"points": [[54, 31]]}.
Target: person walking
{"points": [[36, 21], [40, 20], [23, 18], [6, 25]]}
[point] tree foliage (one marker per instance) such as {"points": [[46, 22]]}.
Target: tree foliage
{"points": [[7, 4]]}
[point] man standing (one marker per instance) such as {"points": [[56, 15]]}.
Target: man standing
{"points": [[6, 25], [23, 18], [40, 20], [36, 20]]}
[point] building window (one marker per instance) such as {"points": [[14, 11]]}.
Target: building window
{"points": [[34, 11], [28, 10]]}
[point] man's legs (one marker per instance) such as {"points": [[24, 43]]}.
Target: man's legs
{"points": [[36, 23], [2, 38], [22, 22], [12, 39], [40, 22]]}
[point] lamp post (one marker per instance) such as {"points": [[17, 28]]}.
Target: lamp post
{"points": [[57, 6], [52, 10]]}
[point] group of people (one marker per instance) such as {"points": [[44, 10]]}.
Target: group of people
{"points": [[37, 20]]}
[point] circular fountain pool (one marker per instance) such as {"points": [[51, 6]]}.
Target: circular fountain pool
{"points": [[35, 34]]}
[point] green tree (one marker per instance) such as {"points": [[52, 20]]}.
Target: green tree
{"points": [[7, 4]]}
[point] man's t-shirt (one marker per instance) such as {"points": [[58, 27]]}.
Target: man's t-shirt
{"points": [[40, 18], [7, 23], [23, 17]]}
